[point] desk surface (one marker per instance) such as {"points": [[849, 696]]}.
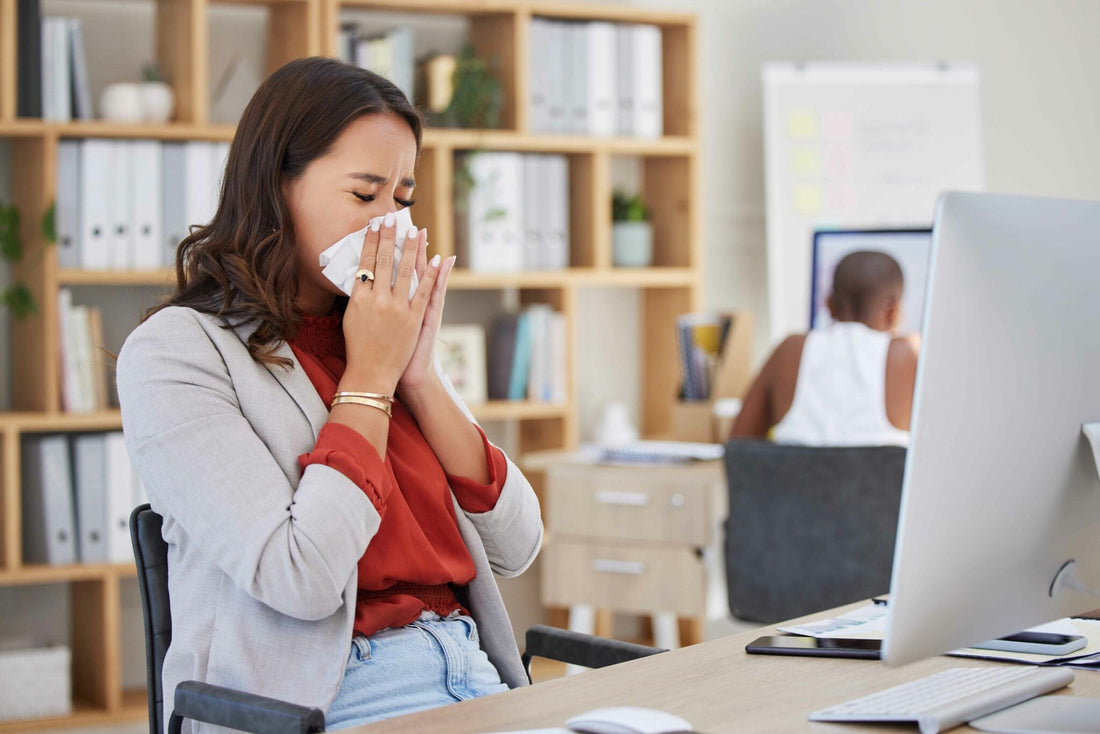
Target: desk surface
{"points": [[715, 685]]}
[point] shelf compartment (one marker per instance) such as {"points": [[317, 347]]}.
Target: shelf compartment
{"points": [[494, 30], [249, 37]]}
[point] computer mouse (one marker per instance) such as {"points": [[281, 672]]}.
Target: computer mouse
{"points": [[628, 720]]}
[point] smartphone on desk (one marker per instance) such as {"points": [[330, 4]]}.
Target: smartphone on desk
{"points": [[830, 647], [1042, 643]]}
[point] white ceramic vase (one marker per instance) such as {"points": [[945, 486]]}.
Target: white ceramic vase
{"points": [[122, 102], [631, 244], [157, 101]]}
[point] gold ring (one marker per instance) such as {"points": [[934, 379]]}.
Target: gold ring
{"points": [[364, 276]]}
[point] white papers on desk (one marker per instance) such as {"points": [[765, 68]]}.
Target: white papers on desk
{"points": [[866, 622], [869, 622], [658, 452]]}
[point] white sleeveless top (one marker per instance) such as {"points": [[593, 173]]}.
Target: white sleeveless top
{"points": [[840, 396]]}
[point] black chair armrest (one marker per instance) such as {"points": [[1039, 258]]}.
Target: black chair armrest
{"points": [[242, 711], [580, 649]]}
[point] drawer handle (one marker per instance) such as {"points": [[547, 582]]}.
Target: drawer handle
{"points": [[630, 499], [606, 565]]}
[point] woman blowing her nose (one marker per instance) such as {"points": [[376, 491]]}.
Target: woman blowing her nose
{"points": [[334, 516]]}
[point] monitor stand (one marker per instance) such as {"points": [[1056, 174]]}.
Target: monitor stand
{"points": [[1043, 715]]}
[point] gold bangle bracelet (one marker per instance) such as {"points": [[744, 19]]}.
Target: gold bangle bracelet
{"points": [[374, 395], [356, 400]]}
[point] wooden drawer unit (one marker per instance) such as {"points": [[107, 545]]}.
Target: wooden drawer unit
{"points": [[638, 579], [633, 538], [627, 504]]}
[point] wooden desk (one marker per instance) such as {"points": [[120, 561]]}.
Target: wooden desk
{"points": [[715, 685]]}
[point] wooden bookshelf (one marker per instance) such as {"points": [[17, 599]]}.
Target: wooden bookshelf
{"points": [[674, 284]]}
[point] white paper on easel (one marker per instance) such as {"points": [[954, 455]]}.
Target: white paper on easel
{"points": [[858, 146]]}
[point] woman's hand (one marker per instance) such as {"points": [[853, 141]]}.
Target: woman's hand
{"points": [[382, 327], [419, 372]]}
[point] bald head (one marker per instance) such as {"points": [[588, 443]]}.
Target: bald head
{"points": [[867, 287]]}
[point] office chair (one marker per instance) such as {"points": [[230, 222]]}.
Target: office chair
{"points": [[261, 715], [809, 528]]}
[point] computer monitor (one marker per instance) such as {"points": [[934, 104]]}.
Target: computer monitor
{"points": [[909, 247], [1001, 489]]}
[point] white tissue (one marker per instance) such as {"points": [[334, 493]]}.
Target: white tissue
{"points": [[340, 262]]}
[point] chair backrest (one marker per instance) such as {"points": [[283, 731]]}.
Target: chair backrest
{"points": [[151, 554], [809, 528]]}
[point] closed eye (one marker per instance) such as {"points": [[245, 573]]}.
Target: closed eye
{"points": [[368, 198]]}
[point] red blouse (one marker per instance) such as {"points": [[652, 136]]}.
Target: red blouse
{"points": [[417, 555]]}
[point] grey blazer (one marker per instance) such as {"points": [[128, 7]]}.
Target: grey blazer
{"points": [[262, 556]]}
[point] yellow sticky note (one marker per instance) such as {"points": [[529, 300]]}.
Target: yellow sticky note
{"points": [[806, 162], [802, 125], [807, 199]]}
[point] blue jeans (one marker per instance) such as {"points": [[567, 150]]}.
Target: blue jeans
{"points": [[429, 663]]}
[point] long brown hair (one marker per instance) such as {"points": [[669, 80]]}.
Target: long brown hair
{"points": [[242, 265]]}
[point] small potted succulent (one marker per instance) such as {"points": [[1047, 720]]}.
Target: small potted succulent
{"points": [[631, 233]]}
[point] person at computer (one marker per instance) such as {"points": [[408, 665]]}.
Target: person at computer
{"points": [[333, 514], [848, 384]]}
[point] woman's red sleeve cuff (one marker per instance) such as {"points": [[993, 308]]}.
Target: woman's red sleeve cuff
{"points": [[344, 449], [473, 496]]}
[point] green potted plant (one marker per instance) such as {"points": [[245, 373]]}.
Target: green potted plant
{"points": [[477, 96], [631, 233]]}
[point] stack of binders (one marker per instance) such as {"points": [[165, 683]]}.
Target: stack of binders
{"points": [[598, 79], [78, 492], [515, 214], [126, 204]]}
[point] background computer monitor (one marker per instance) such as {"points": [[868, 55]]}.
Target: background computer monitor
{"points": [[1000, 486], [909, 247]]}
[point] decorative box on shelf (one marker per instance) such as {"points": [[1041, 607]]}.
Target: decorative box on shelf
{"points": [[35, 681]]}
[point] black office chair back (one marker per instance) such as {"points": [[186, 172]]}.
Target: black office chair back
{"points": [[151, 554], [809, 528]]}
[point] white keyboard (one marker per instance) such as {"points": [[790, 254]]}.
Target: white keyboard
{"points": [[951, 697]]}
